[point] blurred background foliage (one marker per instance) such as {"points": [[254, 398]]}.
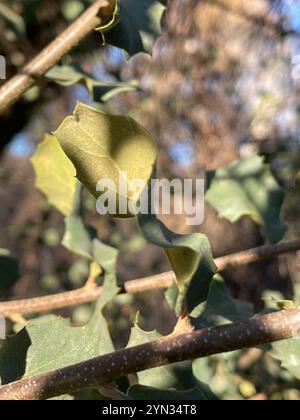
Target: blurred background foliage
{"points": [[222, 84]]}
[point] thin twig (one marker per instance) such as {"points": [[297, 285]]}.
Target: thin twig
{"points": [[95, 372], [158, 281], [99, 12], [50, 302], [257, 254]]}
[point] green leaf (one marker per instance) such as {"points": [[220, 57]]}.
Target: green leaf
{"points": [[55, 175], [288, 353], [108, 147], [77, 237], [9, 271], [221, 307], [191, 260], [138, 25], [44, 345], [68, 75], [160, 377], [201, 393], [103, 92], [248, 188], [49, 343], [176, 376], [106, 256], [81, 239]]}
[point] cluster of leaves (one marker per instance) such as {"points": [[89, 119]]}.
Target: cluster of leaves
{"points": [[92, 145]]}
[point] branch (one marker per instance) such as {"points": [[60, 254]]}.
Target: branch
{"points": [[12, 91], [96, 372], [159, 281]]}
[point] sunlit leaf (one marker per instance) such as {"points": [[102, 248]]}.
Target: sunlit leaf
{"points": [[108, 147], [55, 175]]}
